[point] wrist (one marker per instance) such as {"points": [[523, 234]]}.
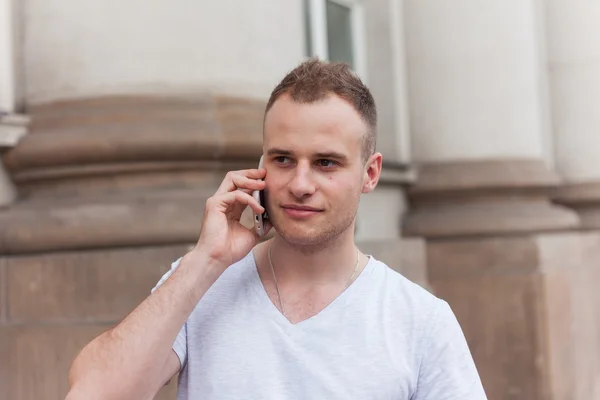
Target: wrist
{"points": [[203, 260]]}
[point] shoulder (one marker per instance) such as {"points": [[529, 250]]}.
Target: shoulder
{"points": [[412, 309], [404, 292]]}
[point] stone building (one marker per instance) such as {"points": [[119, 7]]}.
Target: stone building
{"points": [[119, 118]]}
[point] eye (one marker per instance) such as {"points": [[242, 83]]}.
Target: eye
{"points": [[326, 163], [282, 160]]}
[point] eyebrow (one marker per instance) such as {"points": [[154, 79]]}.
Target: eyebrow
{"points": [[327, 154]]}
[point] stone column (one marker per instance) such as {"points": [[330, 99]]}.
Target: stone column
{"points": [[573, 29], [497, 249], [574, 65], [478, 120]]}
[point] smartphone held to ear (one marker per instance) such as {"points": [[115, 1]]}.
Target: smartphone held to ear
{"points": [[260, 219]]}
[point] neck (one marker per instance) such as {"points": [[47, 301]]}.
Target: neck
{"points": [[330, 262]]}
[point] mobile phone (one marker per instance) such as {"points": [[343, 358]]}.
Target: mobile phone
{"points": [[260, 219]]}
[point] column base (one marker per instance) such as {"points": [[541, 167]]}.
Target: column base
{"points": [[12, 129], [584, 198], [495, 197]]}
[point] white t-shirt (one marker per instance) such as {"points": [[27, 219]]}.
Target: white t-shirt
{"points": [[384, 337]]}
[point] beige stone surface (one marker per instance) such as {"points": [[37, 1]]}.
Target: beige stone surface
{"points": [[84, 286], [529, 309], [476, 257], [139, 128], [572, 301], [500, 317], [475, 81], [164, 53], [573, 64], [147, 219], [96, 181], [12, 126], [487, 197], [58, 302], [584, 198], [36, 359], [491, 173], [3, 291]]}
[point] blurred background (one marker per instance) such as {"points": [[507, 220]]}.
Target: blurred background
{"points": [[119, 118]]}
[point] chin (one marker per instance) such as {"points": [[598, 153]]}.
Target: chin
{"points": [[300, 240], [303, 236], [295, 234]]}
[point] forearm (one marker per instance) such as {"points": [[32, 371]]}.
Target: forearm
{"points": [[128, 360]]}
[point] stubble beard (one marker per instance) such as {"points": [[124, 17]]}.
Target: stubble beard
{"points": [[323, 237]]}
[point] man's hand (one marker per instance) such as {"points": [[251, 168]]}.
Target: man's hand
{"points": [[222, 237]]}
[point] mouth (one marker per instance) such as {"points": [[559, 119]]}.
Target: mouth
{"points": [[298, 211]]}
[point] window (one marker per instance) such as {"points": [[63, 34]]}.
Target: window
{"points": [[335, 32]]}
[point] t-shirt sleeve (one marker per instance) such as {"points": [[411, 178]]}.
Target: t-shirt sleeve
{"points": [[180, 344], [447, 370]]}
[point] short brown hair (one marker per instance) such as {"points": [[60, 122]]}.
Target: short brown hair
{"points": [[313, 80]]}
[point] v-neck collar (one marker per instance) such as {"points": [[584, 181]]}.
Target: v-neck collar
{"points": [[273, 312]]}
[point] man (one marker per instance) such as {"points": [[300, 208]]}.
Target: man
{"points": [[304, 315]]}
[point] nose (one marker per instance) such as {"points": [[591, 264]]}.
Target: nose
{"points": [[302, 185]]}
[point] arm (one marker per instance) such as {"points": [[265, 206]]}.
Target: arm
{"points": [[447, 370], [135, 359]]}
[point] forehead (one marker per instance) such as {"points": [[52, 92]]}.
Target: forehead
{"points": [[326, 124]]}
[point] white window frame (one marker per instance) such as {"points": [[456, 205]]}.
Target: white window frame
{"points": [[318, 32]]}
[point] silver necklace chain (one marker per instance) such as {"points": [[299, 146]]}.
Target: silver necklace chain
{"points": [[277, 286]]}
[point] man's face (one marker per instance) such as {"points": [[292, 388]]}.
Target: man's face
{"points": [[315, 173]]}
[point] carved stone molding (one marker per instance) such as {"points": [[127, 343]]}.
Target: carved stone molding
{"points": [[584, 198], [124, 170], [12, 129], [110, 141], [494, 197]]}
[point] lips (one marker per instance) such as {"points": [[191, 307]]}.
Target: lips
{"points": [[300, 208], [300, 212]]}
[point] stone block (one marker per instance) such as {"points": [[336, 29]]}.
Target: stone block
{"points": [[529, 310], [485, 198], [84, 286], [3, 292], [481, 256], [120, 221], [500, 317], [36, 359]]}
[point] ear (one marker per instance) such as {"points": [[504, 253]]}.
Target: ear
{"points": [[372, 171]]}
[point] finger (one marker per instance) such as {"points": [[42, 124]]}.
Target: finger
{"points": [[244, 179], [228, 202], [247, 184]]}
